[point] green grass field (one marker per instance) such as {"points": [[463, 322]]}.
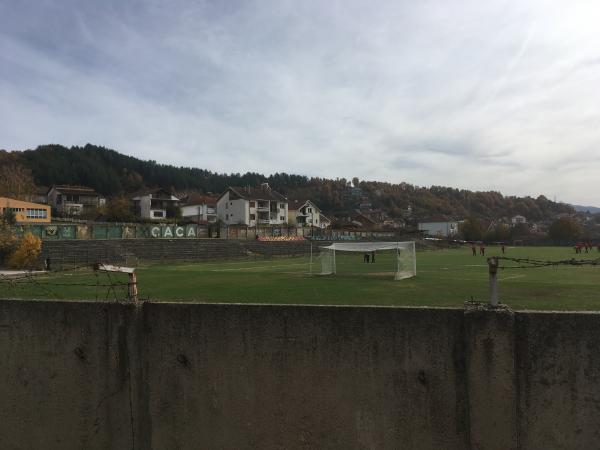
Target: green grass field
{"points": [[444, 278]]}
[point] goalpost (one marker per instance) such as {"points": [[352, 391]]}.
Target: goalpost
{"points": [[393, 258]]}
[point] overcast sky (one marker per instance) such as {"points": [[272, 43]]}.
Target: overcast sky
{"points": [[501, 95]]}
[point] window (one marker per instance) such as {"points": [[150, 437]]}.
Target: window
{"points": [[281, 217], [226, 216], [252, 216], [309, 210], [157, 214], [282, 205], [252, 204], [36, 213]]}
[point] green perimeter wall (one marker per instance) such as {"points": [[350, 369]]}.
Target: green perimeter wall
{"points": [[190, 231], [195, 376]]}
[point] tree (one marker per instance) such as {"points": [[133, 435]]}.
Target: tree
{"points": [[173, 211], [8, 242], [471, 229], [520, 231], [118, 209], [16, 180], [8, 217], [26, 254], [564, 229], [500, 233]]}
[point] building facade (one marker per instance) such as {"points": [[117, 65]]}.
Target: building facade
{"points": [[200, 209], [516, 220], [439, 228], [306, 213], [26, 212], [73, 200], [252, 206], [155, 204]]}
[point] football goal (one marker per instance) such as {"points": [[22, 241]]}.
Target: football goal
{"points": [[393, 259]]}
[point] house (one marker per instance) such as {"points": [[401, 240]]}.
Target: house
{"points": [[252, 206], [155, 204], [515, 220], [306, 213], [439, 227], [73, 200], [201, 209], [26, 212], [355, 219], [376, 215]]}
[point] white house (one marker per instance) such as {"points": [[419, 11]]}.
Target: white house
{"points": [[252, 206], [306, 213], [201, 209], [439, 228], [154, 204], [515, 220]]}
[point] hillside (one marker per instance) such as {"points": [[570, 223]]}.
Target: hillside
{"points": [[112, 173]]}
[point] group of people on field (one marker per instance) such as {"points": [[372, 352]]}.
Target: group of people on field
{"points": [[369, 256], [581, 246], [482, 249]]}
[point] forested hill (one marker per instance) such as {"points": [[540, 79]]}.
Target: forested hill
{"points": [[112, 173]]}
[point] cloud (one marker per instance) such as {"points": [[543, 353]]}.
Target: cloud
{"points": [[481, 95]]}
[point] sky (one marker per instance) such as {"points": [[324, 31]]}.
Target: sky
{"points": [[481, 95]]}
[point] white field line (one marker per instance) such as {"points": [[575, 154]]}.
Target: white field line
{"points": [[511, 277], [205, 265], [257, 267]]}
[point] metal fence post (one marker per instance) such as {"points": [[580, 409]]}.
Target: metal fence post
{"points": [[493, 271]]}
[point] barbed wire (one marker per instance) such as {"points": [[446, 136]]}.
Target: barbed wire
{"points": [[528, 263], [39, 280]]}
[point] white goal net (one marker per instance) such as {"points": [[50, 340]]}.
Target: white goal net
{"points": [[397, 259]]}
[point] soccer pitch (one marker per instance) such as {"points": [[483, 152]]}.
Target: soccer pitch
{"points": [[444, 278]]}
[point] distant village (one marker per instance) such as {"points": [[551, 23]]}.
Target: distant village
{"points": [[263, 207]]}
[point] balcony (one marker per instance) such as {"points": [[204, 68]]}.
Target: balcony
{"points": [[262, 206]]}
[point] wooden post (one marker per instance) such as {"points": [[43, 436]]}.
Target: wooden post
{"points": [[493, 271], [132, 288]]}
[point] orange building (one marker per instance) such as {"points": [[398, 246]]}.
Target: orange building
{"points": [[26, 212]]}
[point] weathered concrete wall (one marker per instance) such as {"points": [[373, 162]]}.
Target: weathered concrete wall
{"points": [[266, 377], [558, 373], [192, 376], [65, 377]]}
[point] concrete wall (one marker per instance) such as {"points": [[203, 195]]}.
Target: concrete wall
{"points": [[192, 376]]}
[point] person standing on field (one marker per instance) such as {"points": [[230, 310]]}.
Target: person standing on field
{"points": [[373, 256], [474, 249], [482, 250]]}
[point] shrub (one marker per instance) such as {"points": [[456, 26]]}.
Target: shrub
{"points": [[8, 242], [26, 253]]}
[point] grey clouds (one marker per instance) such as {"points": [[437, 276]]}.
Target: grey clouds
{"points": [[482, 95]]}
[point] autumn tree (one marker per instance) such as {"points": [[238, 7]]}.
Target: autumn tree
{"points": [[118, 209], [471, 229], [564, 229], [15, 178]]}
